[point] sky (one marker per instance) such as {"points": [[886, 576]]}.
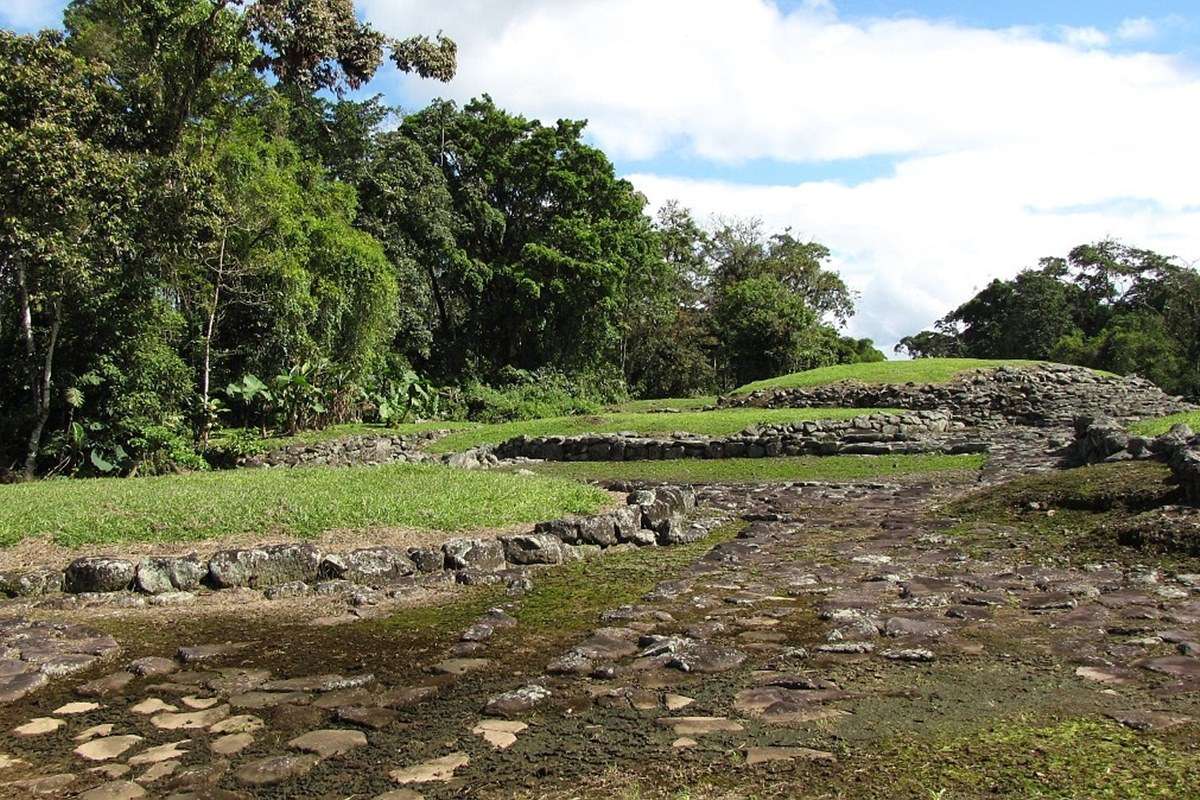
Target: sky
{"points": [[932, 145]]}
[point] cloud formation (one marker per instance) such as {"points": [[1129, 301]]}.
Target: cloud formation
{"points": [[1007, 144]]}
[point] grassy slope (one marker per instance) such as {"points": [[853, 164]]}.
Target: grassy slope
{"points": [[920, 370], [710, 423], [295, 502], [749, 470], [1153, 427]]}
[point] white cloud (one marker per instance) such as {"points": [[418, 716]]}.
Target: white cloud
{"points": [[1137, 29], [1084, 37], [989, 128], [30, 14]]}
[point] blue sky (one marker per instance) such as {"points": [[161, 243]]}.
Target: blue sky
{"points": [[931, 145]]}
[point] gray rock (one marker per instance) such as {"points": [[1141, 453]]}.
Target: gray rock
{"points": [[533, 549], [262, 567], [99, 574], [517, 701], [600, 530], [485, 555], [427, 559], [31, 583], [370, 566], [162, 574]]}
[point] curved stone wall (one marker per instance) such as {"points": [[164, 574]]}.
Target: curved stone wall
{"points": [[1105, 440], [875, 434]]}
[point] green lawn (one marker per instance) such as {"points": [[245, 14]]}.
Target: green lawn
{"points": [[918, 370], [285, 502], [1158, 425], [754, 470], [707, 423], [667, 403]]}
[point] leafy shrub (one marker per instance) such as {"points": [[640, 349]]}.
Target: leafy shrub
{"points": [[521, 395], [233, 445]]}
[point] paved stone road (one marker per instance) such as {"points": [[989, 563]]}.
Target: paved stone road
{"points": [[837, 617]]}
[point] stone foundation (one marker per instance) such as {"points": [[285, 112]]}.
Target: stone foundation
{"points": [[1044, 395], [876, 434], [649, 517], [1105, 440]]}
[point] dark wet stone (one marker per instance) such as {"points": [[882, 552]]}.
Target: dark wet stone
{"points": [[538, 548], [16, 686], [276, 769], [153, 666], [367, 716], [106, 685], [406, 697], [195, 654], [1178, 666], [608, 644]]}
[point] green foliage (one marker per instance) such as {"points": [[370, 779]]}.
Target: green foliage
{"points": [[522, 395], [1107, 306], [293, 502]]}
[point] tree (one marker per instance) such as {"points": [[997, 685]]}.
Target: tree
{"points": [[61, 195]]}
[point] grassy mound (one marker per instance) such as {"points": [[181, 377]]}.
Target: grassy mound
{"points": [[919, 370], [705, 423], [1125, 486], [1160, 425], [759, 470], [282, 502]]}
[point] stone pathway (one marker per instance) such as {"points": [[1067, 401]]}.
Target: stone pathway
{"points": [[838, 613]]}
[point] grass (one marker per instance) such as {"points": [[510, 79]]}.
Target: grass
{"points": [[664, 403], [918, 370], [708, 423], [1066, 760], [296, 502], [1160, 425], [755, 470]]}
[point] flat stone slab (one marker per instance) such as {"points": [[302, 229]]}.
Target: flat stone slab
{"points": [[152, 705], [459, 666], [399, 794], [163, 752], [153, 666], [38, 726], [276, 769], [329, 742], [437, 770], [199, 653], [1179, 666], [517, 701], [109, 684], [189, 720], [71, 709], [499, 733], [241, 723], [231, 744], [1148, 720], [698, 726], [763, 755], [106, 747], [96, 730], [318, 683], [114, 790]]}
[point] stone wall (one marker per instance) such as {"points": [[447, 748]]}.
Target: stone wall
{"points": [[649, 517], [1042, 395], [875, 434], [1105, 440], [363, 450]]}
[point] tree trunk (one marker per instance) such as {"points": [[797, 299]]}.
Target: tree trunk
{"points": [[40, 386], [210, 327]]}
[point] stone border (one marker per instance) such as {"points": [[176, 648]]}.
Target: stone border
{"points": [[874, 434], [649, 517], [1105, 440]]}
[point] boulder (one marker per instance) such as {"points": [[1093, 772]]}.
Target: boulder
{"points": [[162, 574], [486, 555], [261, 567], [369, 566], [99, 574], [31, 583], [533, 549]]}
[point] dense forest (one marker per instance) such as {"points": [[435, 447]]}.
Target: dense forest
{"points": [[1106, 305], [204, 227]]}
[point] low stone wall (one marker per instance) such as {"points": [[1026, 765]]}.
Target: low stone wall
{"points": [[876, 434], [1105, 440], [1043, 395], [649, 517], [363, 450]]}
